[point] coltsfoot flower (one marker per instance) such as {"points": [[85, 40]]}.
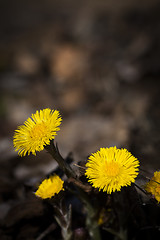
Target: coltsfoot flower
{"points": [[49, 187], [153, 186], [110, 169], [37, 132]]}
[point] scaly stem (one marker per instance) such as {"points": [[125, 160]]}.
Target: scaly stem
{"points": [[63, 217], [91, 220], [53, 150]]}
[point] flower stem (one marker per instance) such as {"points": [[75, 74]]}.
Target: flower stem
{"points": [[63, 217], [53, 150], [91, 220]]}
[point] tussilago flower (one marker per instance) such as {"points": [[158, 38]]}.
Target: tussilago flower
{"points": [[49, 187], [153, 186], [37, 131], [110, 169]]}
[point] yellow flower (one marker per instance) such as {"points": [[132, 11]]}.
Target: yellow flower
{"points": [[49, 187], [110, 169], [37, 131], [153, 186]]}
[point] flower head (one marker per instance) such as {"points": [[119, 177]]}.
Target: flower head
{"points": [[153, 186], [49, 187], [37, 131], [110, 169]]}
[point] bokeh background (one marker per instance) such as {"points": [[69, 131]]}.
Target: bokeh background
{"points": [[97, 62]]}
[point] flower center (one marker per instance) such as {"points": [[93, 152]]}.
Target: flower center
{"points": [[38, 131], [112, 169]]}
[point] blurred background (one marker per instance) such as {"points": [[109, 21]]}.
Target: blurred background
{"points": [[97, 62]]}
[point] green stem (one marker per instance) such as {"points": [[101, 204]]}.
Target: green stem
{"points": [[53, 150]]}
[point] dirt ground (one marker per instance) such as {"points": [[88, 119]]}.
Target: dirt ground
{"points": [[98, 63]]}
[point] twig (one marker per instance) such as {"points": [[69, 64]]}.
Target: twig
{"points": [[79, 166]]}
